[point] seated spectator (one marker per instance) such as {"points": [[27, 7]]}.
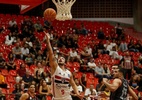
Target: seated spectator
{"points": [[44, 90], [47, 77], [79, 88], [100, 86], [17, 51], [83, 30], [138, 46], [39, 56], [132, 46], [39, 68], [138, 68], [24, 51], [17, 91], [12, 22], [2, 61], [27, 78], [83, 81], [9, 39], [10, 63], [90, 93], [38, 27], [22, 70], [2, 95], [29, 60], [123, 46], [133, 83], [101, 34], [37, 77], [86, 53], [73, 56], [114, 54], [18, 79], [2, 81], [14, 29], [99, 71], [106, 71], [91, 65]]}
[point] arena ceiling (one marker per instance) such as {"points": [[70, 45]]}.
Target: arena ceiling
{"points": [[25, 5]]}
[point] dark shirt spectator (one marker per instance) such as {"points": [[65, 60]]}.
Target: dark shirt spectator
{"points": [[27, 78], [22, 70], [2, 61]]}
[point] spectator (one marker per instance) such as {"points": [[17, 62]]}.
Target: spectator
{"points": [[27, 78], [44, 90], [2, 81], [99, 72], [22, 70], [25, 51], [39, 56], [29, 60], [2, 61], [73, 56], [10, 63], [38, 27], [12, 22], [106, 71], [90, 92], [2, 95], [123, 46], [17, 51], [9, 39], [101, 34], [114, 54], [39, 68], [37, 77], [91, 65], [100, 86], [118, 30], [83, 81], [134, 83], [127, 65], [17, 91], [132, 46], [79, 88]]}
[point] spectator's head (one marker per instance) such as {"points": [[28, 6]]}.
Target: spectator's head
{"points": [[76, 82], [91, 87], [27, 73], [43, 82], [17, 86], [0, 91], [39, 65], [127, 53], [22, 66], [1, 55]]}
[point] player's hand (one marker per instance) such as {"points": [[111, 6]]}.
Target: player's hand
{"points": [[105, 80], [47, 35], [80, 96]]}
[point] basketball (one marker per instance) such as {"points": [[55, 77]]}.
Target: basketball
{"points": [[49, 14]]}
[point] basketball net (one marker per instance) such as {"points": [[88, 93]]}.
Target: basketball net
{"points": [[63, 9]]}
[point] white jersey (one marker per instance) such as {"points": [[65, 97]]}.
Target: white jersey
{"points": [[60, 84]]}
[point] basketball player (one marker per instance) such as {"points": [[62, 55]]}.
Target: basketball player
{"points": [[61, 77], [119, 87], [30, 94]]}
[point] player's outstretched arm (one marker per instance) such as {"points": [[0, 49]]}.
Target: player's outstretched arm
{"points": [[132, 93], [24, 96], [52, 59]]}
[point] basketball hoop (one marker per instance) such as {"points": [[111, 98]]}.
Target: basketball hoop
{"points": [[63, 9]]}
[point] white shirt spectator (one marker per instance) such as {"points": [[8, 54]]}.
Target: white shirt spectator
{"points": [[88, 93], [90, 64], [73, 54], [79, 88], [12, 22], [25, 51], [9, 41]]}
